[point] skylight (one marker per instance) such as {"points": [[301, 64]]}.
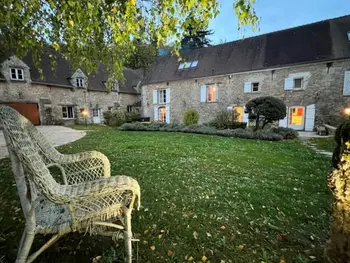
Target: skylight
{"points": [[349, 35], [190, 64]]}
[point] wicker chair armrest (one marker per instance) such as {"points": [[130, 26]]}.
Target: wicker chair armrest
{"points": [[85, 166]]}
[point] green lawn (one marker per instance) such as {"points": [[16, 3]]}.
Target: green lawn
{"points": [[327, 144], [232, 200]]}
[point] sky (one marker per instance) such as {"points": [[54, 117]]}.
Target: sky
{"points": [[275, 15]]}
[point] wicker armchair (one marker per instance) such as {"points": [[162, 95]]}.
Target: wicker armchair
{"points": [[85, 198]]}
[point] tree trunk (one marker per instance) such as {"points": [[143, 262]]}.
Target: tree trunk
{"points": [[257, 122], [338, 250]]}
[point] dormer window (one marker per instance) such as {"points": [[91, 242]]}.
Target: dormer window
{"points": [[17, 74], [80, 82]]}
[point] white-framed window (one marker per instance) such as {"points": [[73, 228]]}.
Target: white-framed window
{"points": [[251, 87], [162, 96], [348, 35], [80, 82], [298, 83], [95, 112], [211, 93], [162, 114], [16, 74], [68, 112]]}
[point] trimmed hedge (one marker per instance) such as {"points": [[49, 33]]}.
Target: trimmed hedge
{"points": [[287, 133], [191, 116], [202, 129]]}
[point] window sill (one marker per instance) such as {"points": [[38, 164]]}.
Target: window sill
{"points": [[211, 102], [68, 119], [253, 92], [17, 80], [301, 89]]}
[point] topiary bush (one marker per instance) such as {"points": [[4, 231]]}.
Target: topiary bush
{"points": [[287, 133], [203, 129], [191, 116], [265, 110], [117, 118]]}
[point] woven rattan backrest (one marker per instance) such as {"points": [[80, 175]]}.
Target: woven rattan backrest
{"points": [[17, 131]]}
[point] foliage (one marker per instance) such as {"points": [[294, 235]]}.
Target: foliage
{"points": [[107, 116], [194, 183], [224, 119], [191, 116], [196, 38], [246, 14], [94, 30], [117, 118], [287, 133], [202, 129], [266, 110], [131, 117], [143, 56], [342, 135]]}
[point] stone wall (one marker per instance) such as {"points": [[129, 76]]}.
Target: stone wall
{"points": [[323, 87], [53, 98]]}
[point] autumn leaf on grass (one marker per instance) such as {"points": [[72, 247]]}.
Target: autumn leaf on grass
{"points": [[153, 248], [195, 235], [204, 259], [170, 252], [222, 227], [241, 246], [283, 261], [96, 259]]}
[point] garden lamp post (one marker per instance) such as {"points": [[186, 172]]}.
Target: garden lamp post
{"points": [[85, 114]]}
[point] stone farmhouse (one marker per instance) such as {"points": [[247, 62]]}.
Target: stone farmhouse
{"points": [[62, 95], [308, 67]]}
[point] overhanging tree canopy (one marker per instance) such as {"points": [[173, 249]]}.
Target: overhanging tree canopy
{"points": [[103, 31]]}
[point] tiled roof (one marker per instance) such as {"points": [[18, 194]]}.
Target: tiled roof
{"points": [[321, 41]]}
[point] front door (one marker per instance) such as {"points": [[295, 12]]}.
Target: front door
{"points": [[296, 118], [96, 116]]}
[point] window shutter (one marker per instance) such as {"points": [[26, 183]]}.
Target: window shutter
{"points": [[310, 117], [245, 116], [167, 95], [283, 122], [288, 83], [346, 90], [203, 93], [155, 116], [247, 87], [167, 114], [155, 96]]}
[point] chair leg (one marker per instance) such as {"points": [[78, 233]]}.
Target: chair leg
{"points": [[43, 248], [26, 244], [128, 237]]}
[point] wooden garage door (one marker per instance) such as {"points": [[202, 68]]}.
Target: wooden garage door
{"points": [[28, 110]]}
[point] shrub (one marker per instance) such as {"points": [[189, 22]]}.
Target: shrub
{"points": [[286, 133], [266, 110], [107, 116], [203, 129], [131, 117], [117, 118], [224, 119], [191, 116]]}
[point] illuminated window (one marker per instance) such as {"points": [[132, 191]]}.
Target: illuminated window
{"points": [[211, 93], [162, 96], [162, 114], [239, 111], [296, 116]]}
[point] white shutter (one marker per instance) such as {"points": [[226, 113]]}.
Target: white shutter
{"points": [[245, 116], [346, 90], [155, 96], [203, 93], [167, 114], [247, 87], [310, 117], [288, 83], [167, 95], [155, 115]]}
